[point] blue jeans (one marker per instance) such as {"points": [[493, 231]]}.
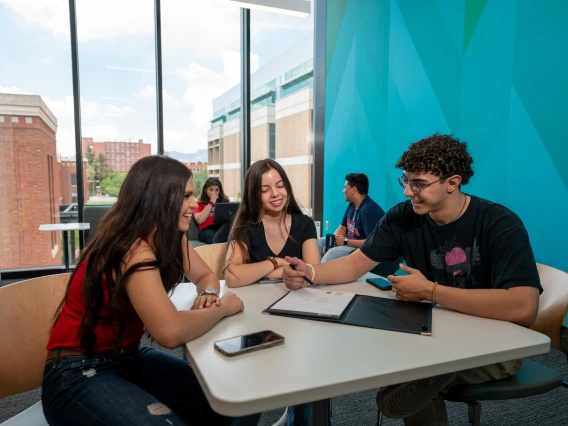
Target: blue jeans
{"points": [[147, 388], [334, 252]]}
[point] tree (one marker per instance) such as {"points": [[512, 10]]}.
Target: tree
{"points": [[102, 169], [199, 179], [91, 178], [111, 185], [90, 154]]}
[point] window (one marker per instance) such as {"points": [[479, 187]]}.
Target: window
{"points": [[74, 179], [36, 130], [282, 96], [201, 63], [117, 75]]}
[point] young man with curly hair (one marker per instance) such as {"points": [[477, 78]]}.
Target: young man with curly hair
{"points": [[466, 253]]}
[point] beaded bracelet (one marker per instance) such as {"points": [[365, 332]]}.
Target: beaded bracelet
{"points": [[433, 296], [313, 271], [212, 204], [274, 262]]}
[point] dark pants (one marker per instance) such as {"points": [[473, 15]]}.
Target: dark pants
{"points": [[214, 234], [147, 388]]}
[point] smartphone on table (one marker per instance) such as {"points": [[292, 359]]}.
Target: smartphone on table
{"points": [[380, 282], [249, 342]]}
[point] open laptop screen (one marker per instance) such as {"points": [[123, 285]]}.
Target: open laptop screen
{"points": [[225, 212]]}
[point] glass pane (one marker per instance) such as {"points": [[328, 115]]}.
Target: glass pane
{"points": [[201, 62], [38, 174], [282, 96], [118, 91]]}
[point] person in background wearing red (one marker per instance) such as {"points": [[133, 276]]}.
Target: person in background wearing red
{"points": [[211, 194]]}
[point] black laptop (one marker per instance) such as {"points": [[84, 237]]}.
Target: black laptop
{"points": [[225, 212]]}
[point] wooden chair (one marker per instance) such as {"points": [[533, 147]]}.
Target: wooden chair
{"points": [[26, 316], [214, 256]]}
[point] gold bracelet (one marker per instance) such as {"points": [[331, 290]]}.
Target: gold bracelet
{"points": [[313, 271], [433, 297]]}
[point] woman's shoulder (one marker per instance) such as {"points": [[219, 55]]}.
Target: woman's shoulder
{"points": [[140, 251]]}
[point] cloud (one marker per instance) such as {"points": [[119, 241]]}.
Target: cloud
{"points": [[118, 111], [148, 93], [94, 20], [101, 132], [93, 117], [205, 84], [142, 70], [14, 90], [201, 27], [183, 140], [45, 60]]}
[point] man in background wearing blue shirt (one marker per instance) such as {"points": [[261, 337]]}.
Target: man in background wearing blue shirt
{"points": [[360, 218]]}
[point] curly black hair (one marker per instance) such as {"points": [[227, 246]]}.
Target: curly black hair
{"points": [[441, 155]]}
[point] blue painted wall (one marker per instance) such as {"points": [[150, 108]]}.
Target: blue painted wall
{"points": [[491, 72]]}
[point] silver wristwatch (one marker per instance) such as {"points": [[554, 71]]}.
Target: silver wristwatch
{"points": [[209, 291]]}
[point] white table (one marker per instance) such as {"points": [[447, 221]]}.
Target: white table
{"points": [[65, 228], [321, 360]]}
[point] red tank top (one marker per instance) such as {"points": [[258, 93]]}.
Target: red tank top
{"points": [[209, 221], [65, 334]]}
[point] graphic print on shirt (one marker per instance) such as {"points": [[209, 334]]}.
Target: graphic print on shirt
{"points": [[352, 232], [456, 263]]}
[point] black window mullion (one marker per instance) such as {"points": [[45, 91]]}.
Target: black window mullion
{"points": [[159, 92], [245, 94]]}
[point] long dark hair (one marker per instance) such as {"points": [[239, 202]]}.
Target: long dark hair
{"points": [[213, 181], [251, 209], [150, 201]]}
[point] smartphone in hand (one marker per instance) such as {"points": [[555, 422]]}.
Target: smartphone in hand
{"points": [[380, 282]]}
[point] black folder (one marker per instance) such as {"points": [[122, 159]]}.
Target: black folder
{"points": [[375, 312]]}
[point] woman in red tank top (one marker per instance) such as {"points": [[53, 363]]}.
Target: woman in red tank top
{"points": [[211, 194], [97, 372]]}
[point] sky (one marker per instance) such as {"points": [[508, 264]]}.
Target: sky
{"points": [[200, 61]]}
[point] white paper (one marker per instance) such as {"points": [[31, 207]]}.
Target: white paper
{"points": [[312, 301]]}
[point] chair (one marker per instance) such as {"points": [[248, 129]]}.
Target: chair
{"points": [[26, 315], [532, 378], [214, 256], [92, 214]]}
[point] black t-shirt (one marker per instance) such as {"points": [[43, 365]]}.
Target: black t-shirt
{"points": [[302, 228], [487, 247]]}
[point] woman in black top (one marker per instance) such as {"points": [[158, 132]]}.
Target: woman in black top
{"points": [[268, 226]]}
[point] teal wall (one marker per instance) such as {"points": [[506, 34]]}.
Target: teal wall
{"points": [[494, 73]]}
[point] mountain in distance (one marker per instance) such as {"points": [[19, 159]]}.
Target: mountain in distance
{"points": [[199, 155]]}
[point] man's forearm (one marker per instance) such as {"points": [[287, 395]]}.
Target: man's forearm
{"points": [[343, 270], [355, 243], [517, 306]]}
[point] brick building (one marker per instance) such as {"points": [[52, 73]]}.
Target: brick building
{"points": [[119, 155], [29, 183], [195, 167], [68, 180]]}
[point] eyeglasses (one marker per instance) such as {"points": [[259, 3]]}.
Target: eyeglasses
{"points": [[415, 186]]}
